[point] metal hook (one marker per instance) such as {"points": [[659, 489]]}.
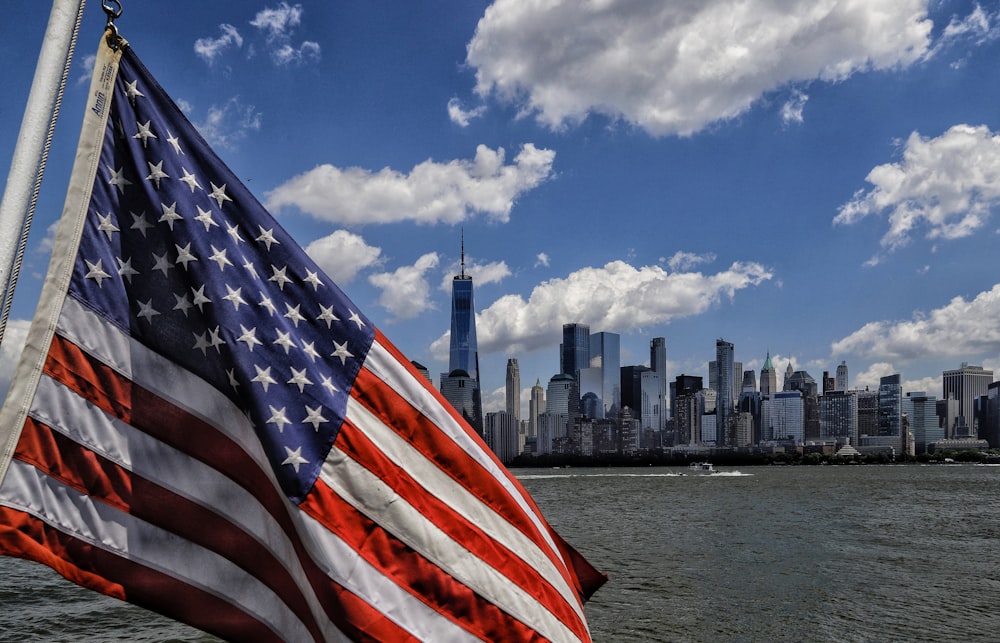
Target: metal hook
{"points": [[113, 13]]}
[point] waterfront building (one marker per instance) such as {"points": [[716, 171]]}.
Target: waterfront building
{"points": [[788, 376], [658, 364], [750, 402], [686, 409], [743, 429], [629, 431], [838, 417], [990, 428], [726, 385], [640, 387], [947, 412], [463, 355], [574, 352], [513, 389], [502, 435], [708, 428], [785, 416], [966, 384], [551, 430], [536, 406], [768, 377], [920, 410], [804, 383], [462, 392], [867, 413], [889, 432], [605, 356], [563, 398], [749, 382], [840, 382]]}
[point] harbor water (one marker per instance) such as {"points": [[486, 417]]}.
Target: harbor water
{"points": [[805, 553]]}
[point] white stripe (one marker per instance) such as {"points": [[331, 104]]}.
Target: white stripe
{"points": [[384, 366], [375, 499], [441, 485], [60, 408], [66, 509]]}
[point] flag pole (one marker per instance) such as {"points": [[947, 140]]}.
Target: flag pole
{"points": [[31, 150]]}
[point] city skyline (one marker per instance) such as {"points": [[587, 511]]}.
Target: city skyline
{"points": [[810, 193]]}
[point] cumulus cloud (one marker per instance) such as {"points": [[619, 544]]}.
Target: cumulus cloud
{"points": [[542, 259], [87, 71], [431, 193], [228, 124], [687, 260], [209, 49], [481, 273], [979, 26], [405, 291], [791, 111], [460, 116], [616, 295], [959, 329], [944, 185], [675, 67], [342, 255], [10, 350], [278, 24]]}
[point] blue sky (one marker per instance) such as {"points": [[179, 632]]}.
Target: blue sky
{"points": [[816, 179]]}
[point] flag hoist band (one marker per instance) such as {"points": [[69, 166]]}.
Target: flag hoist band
{"points": [[203, 424]]}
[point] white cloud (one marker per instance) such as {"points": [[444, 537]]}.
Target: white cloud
{"points": [[979, 26], [87, 63], [278, 24], [211, 48], [405, 291], [461, 117], [945, 185], [226, 125], [616, 295], [431, 193], [342, 255], [481, 273], [542, 259], [960, 329], [687, 260], [676, 67], [10, 350], [791, 111], [869, 378]]}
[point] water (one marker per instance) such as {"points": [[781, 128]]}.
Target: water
{"points": [[851, 553]]}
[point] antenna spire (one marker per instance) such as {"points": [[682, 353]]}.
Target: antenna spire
{"points": [[463, 252]]}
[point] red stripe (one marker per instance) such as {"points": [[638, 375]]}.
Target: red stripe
{"points": [[356, 445], [24, 536], [97, 383], [82, 469]]}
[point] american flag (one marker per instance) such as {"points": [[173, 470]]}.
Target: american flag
{"points": [[203, 424]]}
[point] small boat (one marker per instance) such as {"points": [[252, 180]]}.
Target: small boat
{"points": [[705, 467]]}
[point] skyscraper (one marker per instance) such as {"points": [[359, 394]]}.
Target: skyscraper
{"points": [[514, 388], [966, 384], [605, 356], [536, 406], [768, 377], [726, 385], [841, 382], [463, 361], [658, 364], [574, 352]]}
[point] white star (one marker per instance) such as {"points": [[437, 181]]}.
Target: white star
{"points": [[314, 416], [96, 272], [140, 223], [201, 343], [327, 315], [231, 374], [294, 315], [249, 267], [294, 458], [183, 303], [107, 226], [190, 179], [284, 340], [184, 255], [234, 297], [216, 336], [278, 417], [356, 319], [327, 383], [218, 193], [162, 263], [313, 278], [118, 179], [170, 214], [219, 257], [173, 141], [146, 310], [341, 352], [310, 350], [234, 232], [250, 337], [265, 302], [125, 269], [132, 91], [263, 377], [144, 132], [267, 237], [279, 277], [299, 379], [199, 297], [205, 217], [156, 173]]}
